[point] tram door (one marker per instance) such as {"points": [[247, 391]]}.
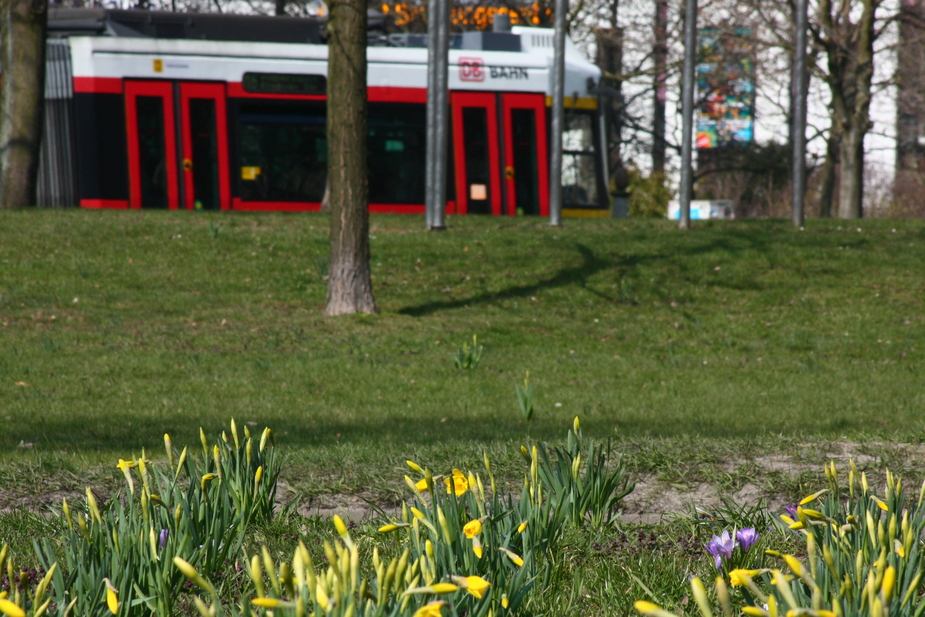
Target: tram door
{"points": [[203, 122], [475, 139], [526, 175], [149, 116]]}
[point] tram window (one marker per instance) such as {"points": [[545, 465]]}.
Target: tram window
{"points": [[152, 159], [397, 153], [579, 186], [284, 83], [282, 151], [205, 153], [475, 149], [526, 182]]}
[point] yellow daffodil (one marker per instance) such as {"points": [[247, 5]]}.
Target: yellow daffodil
{"points": [[458, 484], [737, 576], [475, 585], [417, 513], [813, 497], [795, 565], [430, 610], [414, 466], [521, 527], [504, 601], [444, 587], [889, 581], [517, 559], [477, 547], [112, 600], [392, 527], [898, 548], [473, 528], [421, 485], [880, 503], [340, 526], [125, 466], [10, 609], [206, 479], [266, 602], [646, 607]]}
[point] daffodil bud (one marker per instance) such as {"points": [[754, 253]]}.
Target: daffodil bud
{"points": [[94, 508], [204, 441], [249, 451], [576, 425], [180, 463], [67, 516], [234, 434], [700, 595], [168, 447], [257, 575], [265, 437]]}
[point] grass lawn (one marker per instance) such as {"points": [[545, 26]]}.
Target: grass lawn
{"points": [[698, 352]]}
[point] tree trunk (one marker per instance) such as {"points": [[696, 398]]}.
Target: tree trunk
{"points": [[349, 283], [851, 179], [22, 98], [827, 190], [660, 56]]}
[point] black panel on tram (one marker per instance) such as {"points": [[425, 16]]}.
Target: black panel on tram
{"points": [[151, 154], [205, 153], [475, 148], [526, 180]]}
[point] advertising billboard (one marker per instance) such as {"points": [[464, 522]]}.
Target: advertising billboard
{"points": [[725, 87]]}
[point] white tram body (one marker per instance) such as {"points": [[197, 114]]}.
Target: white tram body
{"points": [[137, 118]]}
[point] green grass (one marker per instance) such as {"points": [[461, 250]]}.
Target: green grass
{"points": [[699, 353], [124, 325]]}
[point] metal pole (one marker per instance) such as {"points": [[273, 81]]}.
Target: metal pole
{"points": [[441, 103], [687, 111], [558, 115], [430, 165], [799, 114]]}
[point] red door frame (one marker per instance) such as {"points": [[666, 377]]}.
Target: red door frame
{"points": [[487, 101], [216, 92], [164, 90], [536, 102]]}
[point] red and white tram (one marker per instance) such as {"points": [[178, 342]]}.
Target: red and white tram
{"points": [[162, 117]]}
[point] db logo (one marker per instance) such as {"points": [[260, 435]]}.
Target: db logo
{"points": [[471, 69]]}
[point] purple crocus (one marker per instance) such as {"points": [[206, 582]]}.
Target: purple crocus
{"points": [[163, 537], [747, 538], [792, 511], [721, 547]]}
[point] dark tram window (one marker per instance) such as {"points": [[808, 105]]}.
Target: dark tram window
{"points": [[152, 159], [205, 153], [285, 83], [526, 182], [475, 148], [282, 151], [397, 153]]}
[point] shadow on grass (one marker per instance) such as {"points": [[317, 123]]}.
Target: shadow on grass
{"points": [[732, 243]]}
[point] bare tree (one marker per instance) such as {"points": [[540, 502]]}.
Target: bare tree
{"points": [[847, 37], [350, 287], [23, 24]]}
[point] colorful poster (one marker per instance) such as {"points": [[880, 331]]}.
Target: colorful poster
{"points": [[725, 88]]}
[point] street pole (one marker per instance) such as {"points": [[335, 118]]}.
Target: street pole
{"points": [[799, 114], [430, 165], [558, 115], [438, 218], [687, 111]]}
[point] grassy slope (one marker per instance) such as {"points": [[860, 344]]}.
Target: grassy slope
{"points": [[125, 325]]}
